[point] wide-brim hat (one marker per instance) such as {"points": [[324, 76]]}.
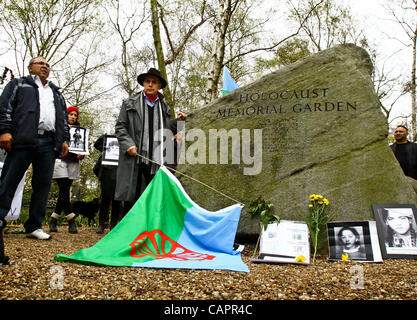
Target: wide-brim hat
{"points": [[152, 72]]}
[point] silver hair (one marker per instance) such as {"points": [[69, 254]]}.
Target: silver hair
{"points": [[33, 59]]}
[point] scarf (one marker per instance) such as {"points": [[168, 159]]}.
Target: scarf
{"points": [[151, 124]]}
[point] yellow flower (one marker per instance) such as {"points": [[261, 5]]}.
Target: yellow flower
{"points": [[310, 206], [300, 258], [320, 202], [319, 196], [345, 257], [326, 202]]}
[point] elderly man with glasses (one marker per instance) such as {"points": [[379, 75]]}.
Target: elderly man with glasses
{"points": [[33, 130]]}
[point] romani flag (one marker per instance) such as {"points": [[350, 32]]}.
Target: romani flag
{"points": [[228, 83], [166, 229]]}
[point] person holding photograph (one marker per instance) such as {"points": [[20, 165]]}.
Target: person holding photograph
{"points": [[107, 175], [67, 169], [400, 231], [349, 243]]}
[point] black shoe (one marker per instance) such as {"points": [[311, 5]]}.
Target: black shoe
{"points": [[52, 225], [100, 228], [72, 228], [54, 222]]}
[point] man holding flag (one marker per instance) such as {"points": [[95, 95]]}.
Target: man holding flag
{"points": [[164, 228], [141, 118]]}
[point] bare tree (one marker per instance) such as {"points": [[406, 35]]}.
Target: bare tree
{"points": [[127, 21], [388, 86], [404, 12], [327, 24], [224, 13], [188, 26], [80, 78], [233, 16], [67, 33], [160, 55], [46, 28]]}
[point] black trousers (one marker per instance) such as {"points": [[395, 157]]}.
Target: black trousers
{"points": [[15, 166], [63, 203], [144, 178], [108, 188]]}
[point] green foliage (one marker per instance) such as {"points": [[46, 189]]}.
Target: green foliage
{"points": [[264, 210]]}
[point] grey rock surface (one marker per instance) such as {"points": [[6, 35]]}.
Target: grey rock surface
{"points": [[313, 127]]}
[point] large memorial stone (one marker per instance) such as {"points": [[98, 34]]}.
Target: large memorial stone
{"points": [[313, 127]]}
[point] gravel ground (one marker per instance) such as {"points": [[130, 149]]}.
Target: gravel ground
{"points": [[33, 274]]}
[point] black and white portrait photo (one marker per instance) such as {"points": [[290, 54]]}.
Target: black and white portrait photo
{"points": [[78, 140], [397, 230], [355, 240], [110, 151]]}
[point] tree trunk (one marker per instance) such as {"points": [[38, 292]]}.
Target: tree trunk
{"points": [[413, 89], [160, 53], [224, 13]]}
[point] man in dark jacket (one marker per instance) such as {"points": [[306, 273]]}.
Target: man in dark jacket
{"points": [[33, 130], [137, 130], [405, 152]]}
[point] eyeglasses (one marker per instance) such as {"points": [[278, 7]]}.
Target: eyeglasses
{"points": [[42, 63]]}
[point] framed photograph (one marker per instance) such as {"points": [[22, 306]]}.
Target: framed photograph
{"points": [[354, 240], [284, 242], [79, 140], [397, 228], [110, 151]]}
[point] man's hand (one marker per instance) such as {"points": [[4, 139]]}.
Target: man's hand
{"points": [[132, 151], [6, 141], [181, 116], [64, 150]]}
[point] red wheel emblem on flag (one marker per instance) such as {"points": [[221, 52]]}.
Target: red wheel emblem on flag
{"points": [[146, 244]]}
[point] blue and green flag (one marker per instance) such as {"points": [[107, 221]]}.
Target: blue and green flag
{"points": [[166, 229], [228, 83]]}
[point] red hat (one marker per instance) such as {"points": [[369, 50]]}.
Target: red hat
{"points": [[71, 108]]}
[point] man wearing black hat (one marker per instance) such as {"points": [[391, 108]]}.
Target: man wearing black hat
{"points": [[141, 119]]}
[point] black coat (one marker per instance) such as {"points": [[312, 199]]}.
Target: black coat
{"points": [[20, 112], [129, 132], [411, 151]]}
